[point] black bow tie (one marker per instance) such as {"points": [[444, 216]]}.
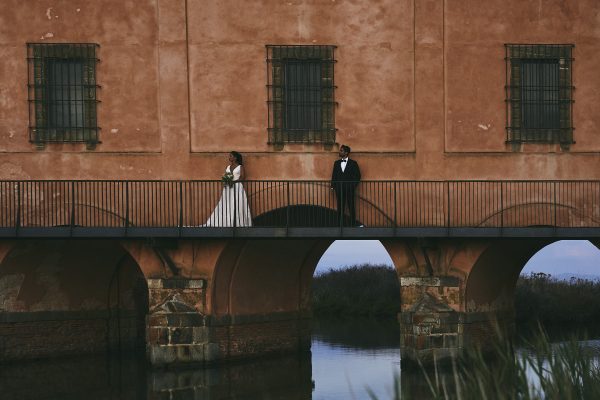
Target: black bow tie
{"points": [[344, 160]]}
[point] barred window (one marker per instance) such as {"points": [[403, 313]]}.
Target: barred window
{"points": [[301, 94], [62, 92], [539, 93]]}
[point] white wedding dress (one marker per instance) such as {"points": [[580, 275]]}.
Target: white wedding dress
{"points": [[232, 208]]}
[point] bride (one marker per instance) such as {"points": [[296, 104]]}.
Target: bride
{"points": [[232, 208]]}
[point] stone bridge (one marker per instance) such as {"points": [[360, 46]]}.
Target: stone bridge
{"points": [[130, 263]]}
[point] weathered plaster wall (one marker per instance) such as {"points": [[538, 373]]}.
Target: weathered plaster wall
{"points": [[420, 87], [128, 72], [374, 73], [475, 73]]}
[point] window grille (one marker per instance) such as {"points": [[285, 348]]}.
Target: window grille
{"points": [[301, 98], [62, 92], [539, 93]]}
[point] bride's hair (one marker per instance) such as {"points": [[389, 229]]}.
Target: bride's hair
{"points": [[238, 157]]}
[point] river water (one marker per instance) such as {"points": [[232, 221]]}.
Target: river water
{"points": [[348, 358]]}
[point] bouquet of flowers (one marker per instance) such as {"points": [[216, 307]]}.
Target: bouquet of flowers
{"points": [[227, 179]]}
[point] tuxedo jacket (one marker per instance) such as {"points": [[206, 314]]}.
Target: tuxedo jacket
{"points": [[350, 174]]}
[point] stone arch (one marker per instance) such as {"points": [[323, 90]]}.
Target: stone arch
{"points": [[263, 276], [82, 296]]}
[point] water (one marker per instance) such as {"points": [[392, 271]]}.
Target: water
{"points": [[347, 358]]}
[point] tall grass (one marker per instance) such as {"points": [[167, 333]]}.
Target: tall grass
{"points": [[540, 371], [360, 290]]}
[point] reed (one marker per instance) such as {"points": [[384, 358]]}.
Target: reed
{"points": [[539, 370]]}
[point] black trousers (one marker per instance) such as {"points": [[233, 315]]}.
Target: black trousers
{"points": [[344, 193]]}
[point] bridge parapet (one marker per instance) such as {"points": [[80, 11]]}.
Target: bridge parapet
{"points": [[393, 208]]}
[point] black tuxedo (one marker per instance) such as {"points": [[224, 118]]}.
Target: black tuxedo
{"points": [[344, 183]]}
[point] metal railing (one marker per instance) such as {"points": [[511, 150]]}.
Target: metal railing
{"points": [[298, 208]]}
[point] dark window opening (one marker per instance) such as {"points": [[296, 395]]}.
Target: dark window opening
{"points": [[301, 94], [539, 93], [62, 93]]}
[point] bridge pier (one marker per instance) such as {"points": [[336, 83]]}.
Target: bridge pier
{"points": [[456, 293], [433, 326], [430, 319], [177, 329], [180, 332]]}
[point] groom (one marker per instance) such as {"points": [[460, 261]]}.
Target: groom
{"points": [[344, 179]]}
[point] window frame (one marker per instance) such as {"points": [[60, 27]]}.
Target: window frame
{"points": [[524, 123], [297, 104], [51, 91]]}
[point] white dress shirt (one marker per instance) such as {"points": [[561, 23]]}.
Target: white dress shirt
{"points": [[344, 163]]}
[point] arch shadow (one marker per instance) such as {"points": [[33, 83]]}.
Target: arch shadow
{"points": [[93, 290], [301, 215], [491, 283]]}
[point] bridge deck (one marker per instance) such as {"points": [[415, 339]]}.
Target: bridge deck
{"points": [[273, 232], [299, 209]]}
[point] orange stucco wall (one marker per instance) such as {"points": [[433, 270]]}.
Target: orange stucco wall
{"points": [[420, 87]]}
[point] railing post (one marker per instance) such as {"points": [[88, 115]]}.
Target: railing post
{"points": [[180, 206], [342, 205], [448, 205], [126, 206], [18, 217], [395, 207], [287, 208], [72, 222], [235, 201], [554, 205], [501, 206]]}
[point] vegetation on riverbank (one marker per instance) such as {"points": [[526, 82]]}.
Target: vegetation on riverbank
{"points": [[541, 370], [373, 290], [360, 290], [538, 370], [540, 297]]}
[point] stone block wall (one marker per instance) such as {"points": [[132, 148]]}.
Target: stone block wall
{"points": [[431, 323]]}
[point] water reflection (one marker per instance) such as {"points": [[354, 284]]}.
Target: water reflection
{"points": [[348, 356], [96, 377], [358, 333], [91, 378]]}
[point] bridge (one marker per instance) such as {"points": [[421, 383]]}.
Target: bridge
{"points": [[475, 150], [196, 293], [300, 209]]}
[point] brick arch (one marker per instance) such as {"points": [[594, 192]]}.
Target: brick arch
{"points": [[84, 296], [491, 282], [67, 273], [265, 276]]}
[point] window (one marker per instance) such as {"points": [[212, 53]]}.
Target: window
{"points": [[62, 93], [539, 93], [301, 94]]}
